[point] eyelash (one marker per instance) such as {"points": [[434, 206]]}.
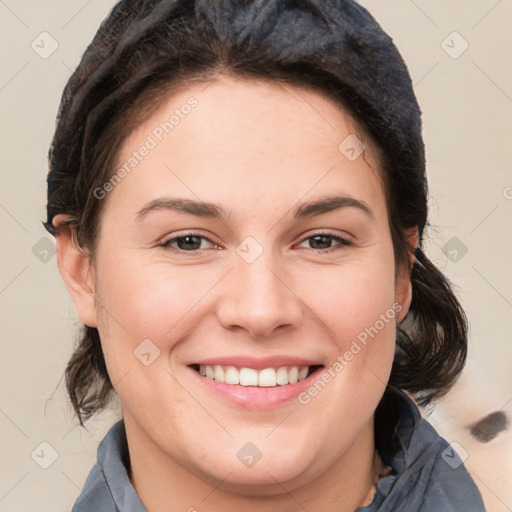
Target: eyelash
{"points": [[344, 242]]}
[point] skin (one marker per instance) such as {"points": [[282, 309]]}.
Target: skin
{"points": [[257, 149]]}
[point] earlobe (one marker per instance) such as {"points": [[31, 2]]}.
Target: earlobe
{"points": [[403, 288], [74, 267], [413, 241]]}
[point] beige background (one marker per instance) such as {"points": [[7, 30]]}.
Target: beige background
{"points": [[466, 98]]}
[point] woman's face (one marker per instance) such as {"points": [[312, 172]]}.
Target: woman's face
{"points": [[256, 288]]}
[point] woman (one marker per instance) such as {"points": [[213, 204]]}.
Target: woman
{"points": [[238, 195]]}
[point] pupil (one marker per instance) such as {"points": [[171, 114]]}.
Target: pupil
{"points": [[315, 238], [186, 240]]}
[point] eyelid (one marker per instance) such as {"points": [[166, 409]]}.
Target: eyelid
{"points": [[166, 241], [343, 239], [344, 236]]}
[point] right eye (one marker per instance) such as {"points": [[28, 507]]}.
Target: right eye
{"points": [[188, 242]]}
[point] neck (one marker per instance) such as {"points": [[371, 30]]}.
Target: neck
{"points": [[160, 481]]}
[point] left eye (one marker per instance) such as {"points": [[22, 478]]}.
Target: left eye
{"points": [[187, 243], [192, 242], [319, 239]]}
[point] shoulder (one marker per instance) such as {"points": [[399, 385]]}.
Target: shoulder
{"points": [[95, 493], [108, 487], [428, 474]]}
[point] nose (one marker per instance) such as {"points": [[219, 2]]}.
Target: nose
{"points": [[259, 298]]}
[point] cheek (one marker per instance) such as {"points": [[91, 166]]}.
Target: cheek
{"points": [[161, 302], [173, 306], [150, 301], [360, 311], [145, 313], [354, 297], [167, 304], [151, 313]]}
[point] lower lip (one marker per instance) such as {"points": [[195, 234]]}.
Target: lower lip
{"points": [[255, 397]]}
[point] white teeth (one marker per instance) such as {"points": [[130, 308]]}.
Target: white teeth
{"points": [[282, 376], [210, 372], [303, 373], [248, 377], [219, 373], [232, 375], [268, 377], [293, 375]]}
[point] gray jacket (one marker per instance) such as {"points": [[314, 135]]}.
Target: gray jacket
{"points": [[427, 476]]}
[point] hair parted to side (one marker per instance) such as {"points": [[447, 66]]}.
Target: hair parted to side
{"points": [[147, 49]]}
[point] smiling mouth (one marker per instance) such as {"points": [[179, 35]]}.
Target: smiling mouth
{"points": [[267, 377]]}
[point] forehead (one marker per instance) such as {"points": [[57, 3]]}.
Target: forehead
{"points": [[235, 136]]}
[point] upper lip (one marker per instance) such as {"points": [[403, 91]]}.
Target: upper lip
{"points": [[258, 363]]}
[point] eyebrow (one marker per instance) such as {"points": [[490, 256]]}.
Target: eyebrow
{"points": [[215, 211]]}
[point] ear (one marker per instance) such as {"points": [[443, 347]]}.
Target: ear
{"points": [[73, 263], [403, 285]]}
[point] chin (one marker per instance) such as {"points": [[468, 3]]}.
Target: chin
{"points": [[262, 474]]}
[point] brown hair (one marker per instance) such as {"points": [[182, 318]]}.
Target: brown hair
{"points": [[145, 50]]}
